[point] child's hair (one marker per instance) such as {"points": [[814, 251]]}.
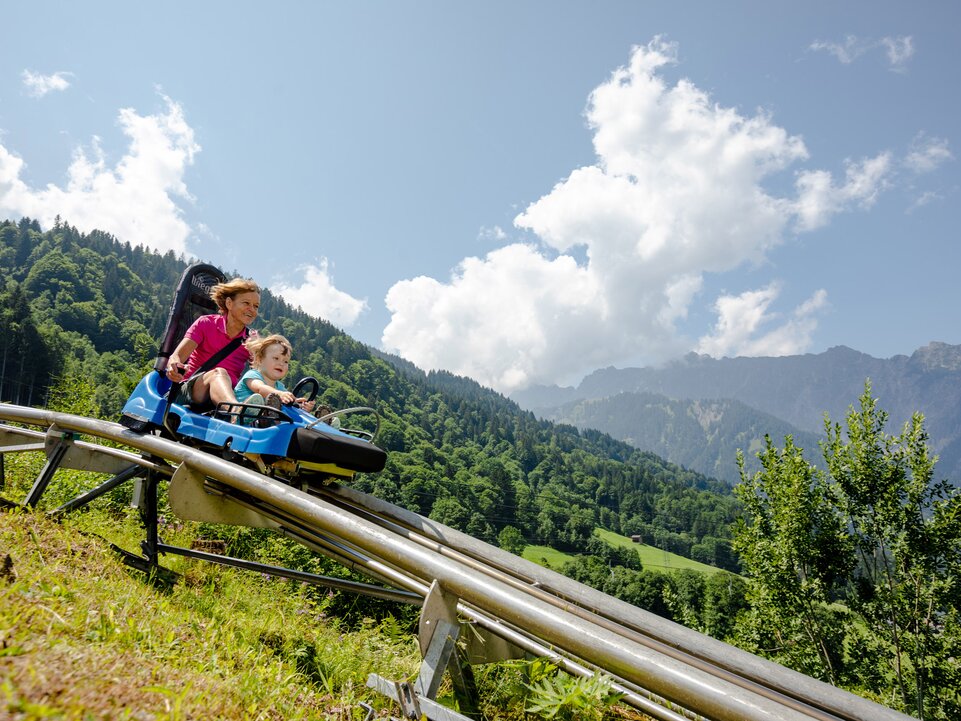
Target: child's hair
{"points": [[258, 346]]}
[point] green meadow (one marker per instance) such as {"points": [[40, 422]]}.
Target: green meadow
{"points": [[652, 558]]}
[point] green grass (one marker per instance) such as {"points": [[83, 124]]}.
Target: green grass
{"points": [[547, 556], [654, 558], [85, 638]]}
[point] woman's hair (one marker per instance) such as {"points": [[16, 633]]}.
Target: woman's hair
{"points": [[258, 346], [222, 291]]}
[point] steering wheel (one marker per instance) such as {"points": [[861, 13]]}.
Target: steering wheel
{"points": [[310, 381]]}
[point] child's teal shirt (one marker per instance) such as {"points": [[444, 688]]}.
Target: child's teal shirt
{"points": [[243, 392]]}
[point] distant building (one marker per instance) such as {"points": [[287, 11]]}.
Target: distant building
{"points": [[636, 539]]}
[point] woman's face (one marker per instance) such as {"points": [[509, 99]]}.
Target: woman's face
{"points": [[243, 307]]}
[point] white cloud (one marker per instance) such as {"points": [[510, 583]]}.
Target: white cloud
{"points": [[39, 85], [925, 198], [927, 154], [741, 318], [677, 192], [819, 198], [318, 297], [493, 234], [846, 52], [897, 49], [133, 200], [506, 320]]}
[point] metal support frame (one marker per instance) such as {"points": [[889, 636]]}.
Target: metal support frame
{"points": [[84, 498], [49, 468], [150, 518], [147, 477], [147, 474], [340, 584], [438, 632]]}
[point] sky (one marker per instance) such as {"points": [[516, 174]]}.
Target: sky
{"points": [[518, 192]]}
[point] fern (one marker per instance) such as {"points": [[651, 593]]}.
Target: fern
{"points": [[566, 698]]}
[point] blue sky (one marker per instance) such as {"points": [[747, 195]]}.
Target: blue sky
{"points": [[520, 192]]}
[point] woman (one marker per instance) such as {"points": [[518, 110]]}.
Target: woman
{"points": [[239, 303]]}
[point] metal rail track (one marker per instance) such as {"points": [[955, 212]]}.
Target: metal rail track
{"points": [[511, 606]]}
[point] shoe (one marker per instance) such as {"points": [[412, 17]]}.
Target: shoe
{"points": [[269, 418], [249, 416]]}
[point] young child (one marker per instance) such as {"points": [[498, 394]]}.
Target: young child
{"points": [[263, 383]]}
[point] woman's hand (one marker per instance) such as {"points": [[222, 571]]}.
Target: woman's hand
{"points": [[175, 371]]}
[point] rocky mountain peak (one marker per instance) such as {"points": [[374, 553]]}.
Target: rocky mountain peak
{"points": [[937, 356]]}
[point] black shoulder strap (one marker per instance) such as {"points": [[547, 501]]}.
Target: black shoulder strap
{"points": [[213, 360]]}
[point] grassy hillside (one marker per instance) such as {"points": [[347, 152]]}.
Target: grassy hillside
{"points": [[83, 637], [655, 558], [651, 557], [547, 556]]}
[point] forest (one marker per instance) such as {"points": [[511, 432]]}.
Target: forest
{"points": [[86, 305]]}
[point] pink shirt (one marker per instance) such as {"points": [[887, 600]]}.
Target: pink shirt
{"points": [[209, 332]]}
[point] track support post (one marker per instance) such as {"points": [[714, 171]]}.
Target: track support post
{"points": [[437, 634], [145, 498], [151, 518], [49, 468]]}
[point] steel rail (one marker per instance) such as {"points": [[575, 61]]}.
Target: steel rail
{"points": [[696, 647], [634, 695], [668, 677], [597, 615]]}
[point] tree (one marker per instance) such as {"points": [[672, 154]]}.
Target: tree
{"points": [[793, 545], [872, 545], [906, 530], [511, 540]]}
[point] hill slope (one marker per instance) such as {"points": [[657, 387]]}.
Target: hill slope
{"points": [[85, 638], [458, 452]]}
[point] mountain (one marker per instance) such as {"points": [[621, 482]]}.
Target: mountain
{"points": [[796, 389], [80, 315], [703, 435]]}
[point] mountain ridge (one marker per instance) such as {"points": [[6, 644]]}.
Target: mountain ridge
{"points": [[798, 390]]}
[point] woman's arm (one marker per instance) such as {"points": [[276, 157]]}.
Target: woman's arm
{"points": [[177, 362]]}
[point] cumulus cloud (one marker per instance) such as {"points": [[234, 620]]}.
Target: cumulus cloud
{"points": [[743, 320], [38, 85], [677, 192], [318, 297], [501, 317], [898, 50], [134, 200], [493, 234]]}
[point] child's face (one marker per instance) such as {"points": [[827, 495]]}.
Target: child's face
{"points": [[275, 362]]}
